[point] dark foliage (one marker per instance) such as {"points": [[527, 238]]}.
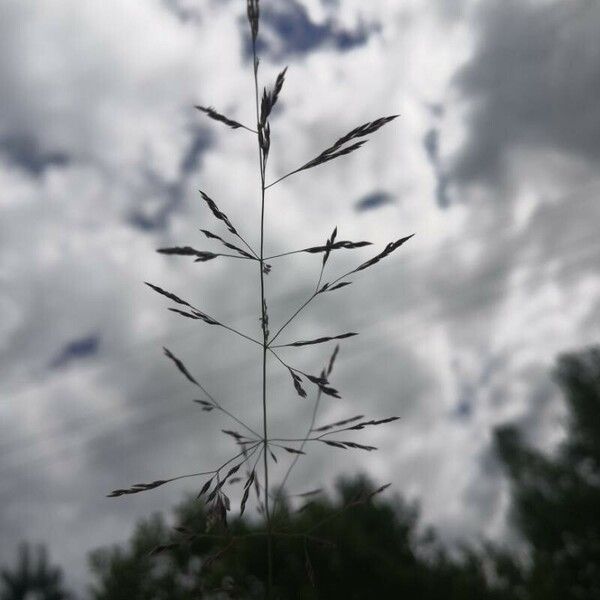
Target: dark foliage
{"points": [[355, 547], [556, 499], [33, 577]]}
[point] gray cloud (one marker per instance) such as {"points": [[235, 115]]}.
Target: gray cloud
{"points": [[185, 10], [25, 153], [530, 83], [431, 144], [165, 196]]}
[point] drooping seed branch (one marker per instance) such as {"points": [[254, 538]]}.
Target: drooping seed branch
{"points": [[257, 446]]}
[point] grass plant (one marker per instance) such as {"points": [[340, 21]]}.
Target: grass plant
{"points": [[255, 449]]}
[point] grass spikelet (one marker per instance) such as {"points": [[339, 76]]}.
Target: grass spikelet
{"points": [[201, 256], [217, 116], [217, 213]]}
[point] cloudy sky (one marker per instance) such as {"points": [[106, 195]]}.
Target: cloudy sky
{"points": [[493, 164]]}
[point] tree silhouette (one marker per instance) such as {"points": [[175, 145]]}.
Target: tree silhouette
{"points": [[33, 578], [356, 549], [556, 500]]}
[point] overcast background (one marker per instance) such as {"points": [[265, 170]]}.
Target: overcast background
{"points": [[493, 163]]}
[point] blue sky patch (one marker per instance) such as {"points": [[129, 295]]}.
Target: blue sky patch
{"points": [[296, 34], [373, 200], [84, 347]]}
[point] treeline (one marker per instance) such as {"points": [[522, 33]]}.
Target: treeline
{"points": [[359, 546]]}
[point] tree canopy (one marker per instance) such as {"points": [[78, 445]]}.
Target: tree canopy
{"points": [[556, 500], [342, 548]]}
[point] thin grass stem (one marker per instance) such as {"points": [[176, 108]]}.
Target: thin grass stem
{"points": [[297, 456], [281, 179], [304, 305], [262, 162], [248, 245], [233, 330], [239, 256], [238, 421]]}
